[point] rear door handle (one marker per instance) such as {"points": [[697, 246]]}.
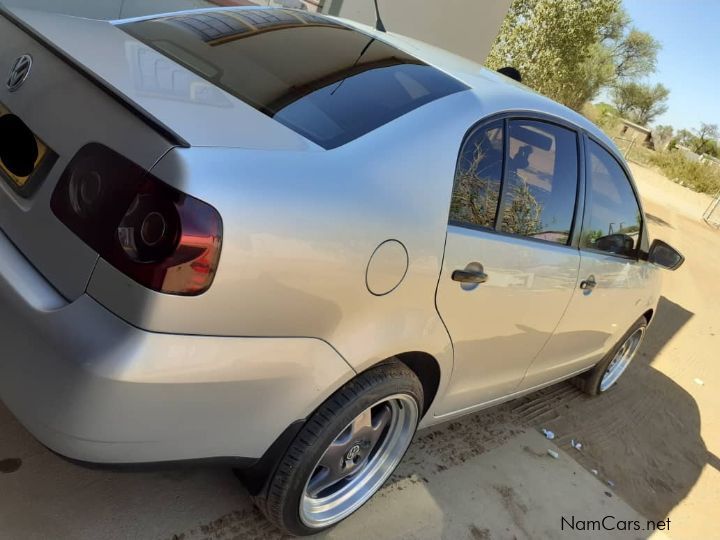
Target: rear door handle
{"points": [[588, 283], [467, 276]]}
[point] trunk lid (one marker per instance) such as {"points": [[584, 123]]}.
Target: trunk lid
{"points": [[186, 106], [65, 110]]}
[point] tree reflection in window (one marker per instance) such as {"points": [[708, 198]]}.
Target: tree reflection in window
{"points": [[522, 215], [477, 179]]}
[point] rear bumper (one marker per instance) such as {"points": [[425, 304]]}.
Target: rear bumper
{"points": [[93, 388]]}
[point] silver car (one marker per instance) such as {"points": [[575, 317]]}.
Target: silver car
{"points": [[285, 242]]}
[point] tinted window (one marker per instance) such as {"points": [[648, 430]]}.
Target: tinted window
{"points": [[321, 79], [612, 220], [477, 179], [541, 183]]}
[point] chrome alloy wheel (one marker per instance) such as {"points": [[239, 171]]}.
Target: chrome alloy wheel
{"points": [[359, 460], [622, 359]]}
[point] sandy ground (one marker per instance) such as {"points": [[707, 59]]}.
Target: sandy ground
{"points": [[655, 437]]}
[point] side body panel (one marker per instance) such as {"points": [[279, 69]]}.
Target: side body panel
{"points": [[498, 327], [299, 232], [596, 319]]}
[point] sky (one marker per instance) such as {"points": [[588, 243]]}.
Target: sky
{"points": [[689, 62]]}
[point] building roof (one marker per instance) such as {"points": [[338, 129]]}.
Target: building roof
{"points": [[636, 127]]}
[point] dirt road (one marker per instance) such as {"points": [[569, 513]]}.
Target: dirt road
{"points": [[655, 438]]}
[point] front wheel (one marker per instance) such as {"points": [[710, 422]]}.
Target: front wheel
{"points": [[606, 373], [346, 450]]}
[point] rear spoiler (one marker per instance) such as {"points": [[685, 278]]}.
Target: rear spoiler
{"points": [[171, 136]]}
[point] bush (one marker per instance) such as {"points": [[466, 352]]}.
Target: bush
{"points": [[604, 116], [703, 177]]}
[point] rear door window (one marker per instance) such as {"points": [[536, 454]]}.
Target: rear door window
{"points": [[540, 184]]}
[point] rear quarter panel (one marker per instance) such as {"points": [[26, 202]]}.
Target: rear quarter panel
{"points": [[299, 230]]}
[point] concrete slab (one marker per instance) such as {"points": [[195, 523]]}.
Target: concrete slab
{"points": [[514, 491]]}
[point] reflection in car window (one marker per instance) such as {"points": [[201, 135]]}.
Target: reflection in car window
{"points": [[612, 217], [477, 179], [541, 182], [320, 78]]}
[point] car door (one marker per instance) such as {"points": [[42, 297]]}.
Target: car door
{"points": [[612, 283], [510, 266]]}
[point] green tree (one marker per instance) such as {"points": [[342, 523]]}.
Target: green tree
{"points": [[570, 49], [705, 140], [662, 135], [634, 54], [622, 53], [548, 41], [597, 71], [641, 103], [683, 137]]}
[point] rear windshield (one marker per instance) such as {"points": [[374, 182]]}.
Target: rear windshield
{"points": [[322, 79]]}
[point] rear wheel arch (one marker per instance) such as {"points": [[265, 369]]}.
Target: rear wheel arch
{"points": [[649, 315], [590, 382], [427, 369]]}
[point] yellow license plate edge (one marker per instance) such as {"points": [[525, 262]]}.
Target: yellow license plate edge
{"points": [[20, 181]]}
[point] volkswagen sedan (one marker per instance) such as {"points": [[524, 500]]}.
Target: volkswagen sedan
{"points": [[285, 242]]}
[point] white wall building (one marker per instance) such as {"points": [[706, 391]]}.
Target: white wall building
{"points": [[465, 27]]}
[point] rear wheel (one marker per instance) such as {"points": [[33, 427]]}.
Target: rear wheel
{"points": [[606, 373], [346, 451]]}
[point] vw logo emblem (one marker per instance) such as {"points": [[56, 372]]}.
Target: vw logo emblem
{"points": [[19, 72], [354, 451]]}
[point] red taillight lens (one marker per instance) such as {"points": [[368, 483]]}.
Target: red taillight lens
{"points": [[160, 237]]}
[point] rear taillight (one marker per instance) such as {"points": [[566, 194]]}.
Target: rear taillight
{"points": [[160, 237]]}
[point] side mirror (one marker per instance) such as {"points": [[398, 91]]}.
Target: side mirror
{"points": [[665, 255]]}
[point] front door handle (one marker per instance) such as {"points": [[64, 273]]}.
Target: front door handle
{"points": [[467, 276], [588, 283]]}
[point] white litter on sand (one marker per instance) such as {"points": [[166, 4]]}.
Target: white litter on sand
{"points": [[548, 434], [576, 444], [698, 381], [553, 454], [594, 471]]}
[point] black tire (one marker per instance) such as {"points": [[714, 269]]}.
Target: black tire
{"points": [[282, 498], [589, 382]]}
